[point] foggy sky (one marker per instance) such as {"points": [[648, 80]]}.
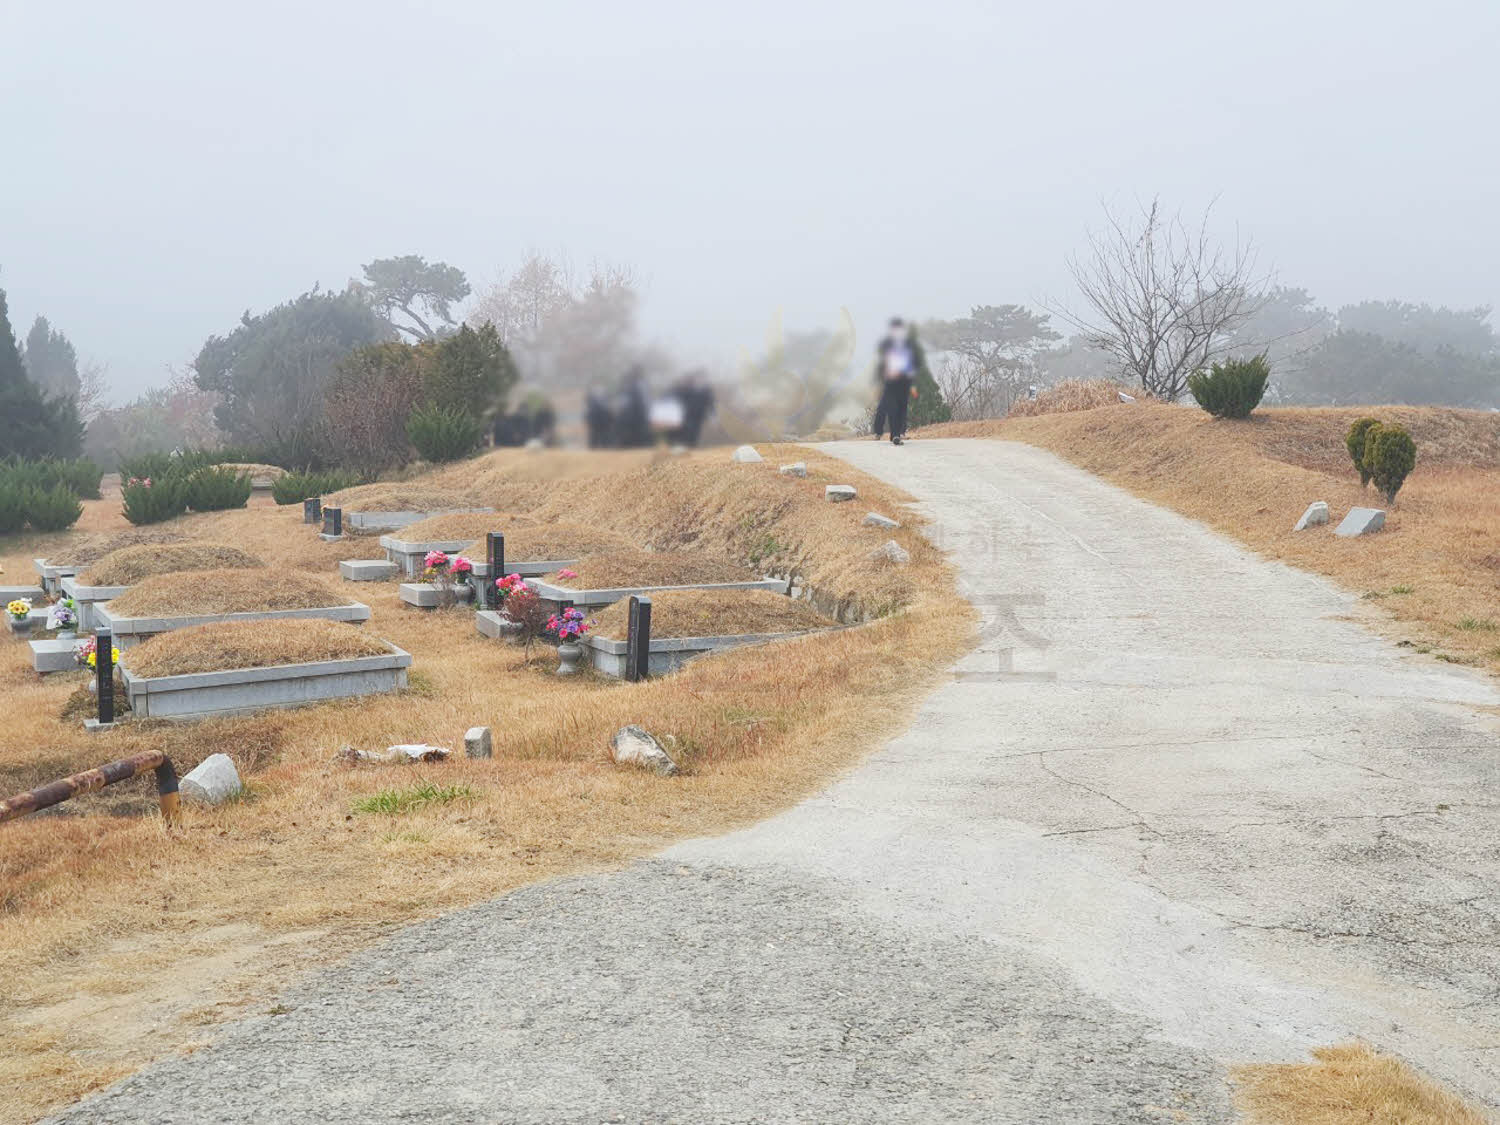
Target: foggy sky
{"points": [[167, 166]]}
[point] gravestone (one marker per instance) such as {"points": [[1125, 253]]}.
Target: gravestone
{"points": [[838, 493], [746, 455], [333, 525], [312, 510], [875, 519], [796, 469], [1361, 521], [477, 743]]}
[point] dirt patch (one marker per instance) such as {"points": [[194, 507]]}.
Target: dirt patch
{"points": [[652, 568], [1346, 1085], [715, 613], [131, 564], [249, 644], [223, 591]]}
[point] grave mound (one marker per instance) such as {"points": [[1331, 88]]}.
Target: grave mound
{"points": [[249, 644], [222, 591], [461, 525], [714, 613], [129, 565], [91, 548], [553, 541], [398, 498], [637, 569]]}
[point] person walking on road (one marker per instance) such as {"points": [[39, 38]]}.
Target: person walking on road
{"points": [[896, 361]]}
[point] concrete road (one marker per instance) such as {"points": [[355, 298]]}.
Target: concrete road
{"points": [[1177, 811]]}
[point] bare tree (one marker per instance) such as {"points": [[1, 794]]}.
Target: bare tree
{"points": [[988, 358], [1164, 299]]}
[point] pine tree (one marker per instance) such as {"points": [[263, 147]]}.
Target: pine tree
{"points": [[31, 424], [929, 407]]}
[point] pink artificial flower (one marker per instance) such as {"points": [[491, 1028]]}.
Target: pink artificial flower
{"points": [[462, 565], [567, 572], [436, 560]]}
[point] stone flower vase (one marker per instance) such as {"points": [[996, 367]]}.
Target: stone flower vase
{"points": [[568, 652], [463, 592], [21, 625]]}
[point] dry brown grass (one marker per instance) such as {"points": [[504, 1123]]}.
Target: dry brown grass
{"points": [[131, 564], [224, 591], [557, 540], [415, 496], [1077, 394], [710, 613], [249, 644], [117, 948], [85, 549], [1433, 573], [652, 568], [459, 525], [1347, 1085]]}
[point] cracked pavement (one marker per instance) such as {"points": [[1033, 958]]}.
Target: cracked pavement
{"points": [[1178, 810]]}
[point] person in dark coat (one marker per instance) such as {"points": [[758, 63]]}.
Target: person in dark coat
{"points": [[896, 362], [632, 415], [599, 418], [697, 399]]}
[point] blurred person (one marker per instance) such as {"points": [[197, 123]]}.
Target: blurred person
{"points": [[896, 361], [598, 417], [697, 398], [632, 412]]}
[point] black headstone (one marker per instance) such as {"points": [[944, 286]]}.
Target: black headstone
{"points": [[312, 509], [494, 555], [333, 521], [104, 673], [638, 639]]}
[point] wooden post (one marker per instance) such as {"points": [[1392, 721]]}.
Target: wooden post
{"points": [[104, 675], [312, 510], [333, 521], [638, 639], [494, 555]]}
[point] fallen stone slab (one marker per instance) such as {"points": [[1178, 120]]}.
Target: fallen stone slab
{"points": [[402, 754], [746, 455], [636, 746], [838, 493], [875, 519], [1361, 521], [214, 781], [892, 552], [796, 469], [1315, 516], [367, 570], [477, 742]]}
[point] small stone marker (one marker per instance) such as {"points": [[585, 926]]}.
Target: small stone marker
{"points": [[795, 469], [837, 493], [1315, 516], [477, 742], [1361, 521], [52, 656], [104, 675], [746, 455], [312, 510], [875, 519], [1123, 397], [213, 782], [635, 746], [892, 552], [494, 556], [333, 525]]}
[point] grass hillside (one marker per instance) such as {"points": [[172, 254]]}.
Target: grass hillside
{"points": [[1436, 566]]}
